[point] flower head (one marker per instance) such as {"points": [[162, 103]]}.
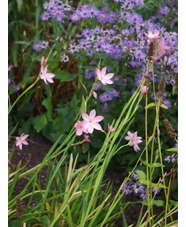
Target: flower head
{"points": [[127, 188], [46, 76], [79, 128], [144, 89], [103, 77], [153, 35], [134, 140], [21, 140], [91, 121], [138, 187], [87, 138]]}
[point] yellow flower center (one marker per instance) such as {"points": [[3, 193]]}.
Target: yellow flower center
{"points": [[105, 37], [84, 6], [114, 51], [102, 15], [101, 41], [57, 12], [75, 16], [37, 46]]}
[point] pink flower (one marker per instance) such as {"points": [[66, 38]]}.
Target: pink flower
{"points": [[103, 77], [91, 121], [80, 128], [21, 140], [134, 140], [46, 76], [43, 60], [152, 36], [87, 138], [144, 89], [161, 49], [111, 129]]}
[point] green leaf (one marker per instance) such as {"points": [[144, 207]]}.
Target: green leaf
{"points": [[45, 221], [158, 203], [156, 165], [65, 76], [163, 106], [174, 149], [48, 105], [141, 175], [151, 105], [15, 223], [28, 72], [38, 9], [40, 122], [19, 4]]}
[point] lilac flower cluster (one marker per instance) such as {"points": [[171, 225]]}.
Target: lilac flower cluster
{"points": [[136, 187]]}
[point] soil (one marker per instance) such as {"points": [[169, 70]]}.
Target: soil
{"points": [[36, 151]]}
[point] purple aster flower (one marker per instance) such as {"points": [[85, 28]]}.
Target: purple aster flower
{"points": [[116, 52], [104, 108], [93, 11], [133, 90], [59, 14], [88, 74], [176, 145], [107, 47], [135, 18], [84, 13], [37, 47], [114, 92], [9, 81], [139, 54], [126, 187], [75, 17], [164, 10], [45, 16], [171, 158], [112, 17], [138, 80], [105, 97], [98, 86], [135, 175], [84, 44], [16, 88], [137, 187], [144, 194], [102, 17], [86, 32], [155, 190], [167, 103]]}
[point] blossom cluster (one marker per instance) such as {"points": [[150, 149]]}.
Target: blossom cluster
{"points": [[138, 188], [89, 123]]}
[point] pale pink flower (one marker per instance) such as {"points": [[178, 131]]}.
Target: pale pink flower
{"points": [[87, 138], [43, 60], [95, 94], [80, 128], [144, 89], [161, 49], [91, 121], [152, 36], [111, 129], [134, 140], [103, 77], [46, 76], [21, 140]]}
